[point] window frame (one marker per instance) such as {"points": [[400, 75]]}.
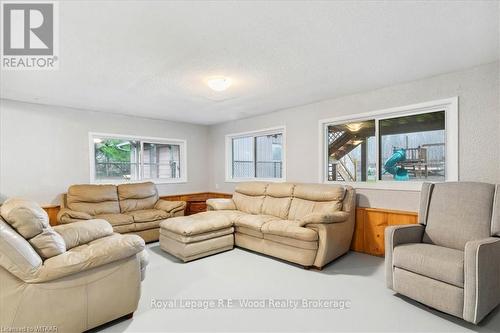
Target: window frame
{"points": [[229, 154], [448, 105], [141, 140]]}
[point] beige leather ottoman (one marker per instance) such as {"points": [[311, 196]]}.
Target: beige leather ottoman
{"points": [[196, 236]]}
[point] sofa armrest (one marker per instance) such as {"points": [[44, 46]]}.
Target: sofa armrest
{"points": [[334, 217], [97, 253], [83, 232], [220, 204], [481, 278], [66, 215], [170, 206], [397, 235]]}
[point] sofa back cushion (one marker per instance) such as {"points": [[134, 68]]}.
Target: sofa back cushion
{"points": [[315, 198], [25, 216], [93, 199], [459, 212], [249, 197], [31, 221], [18, 256], [278, 199], [137, 196]]}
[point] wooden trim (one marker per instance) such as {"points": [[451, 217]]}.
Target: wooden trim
{"points": [[370, 227], [195, 203]]}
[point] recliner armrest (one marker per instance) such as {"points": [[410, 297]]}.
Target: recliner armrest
{"points": [[170, 206], [397, 235], [83, 232], [315, 218], [220, 204], [67, 215], [481, 278]]}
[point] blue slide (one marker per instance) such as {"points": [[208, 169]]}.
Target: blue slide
{"points": [[391, 167]]}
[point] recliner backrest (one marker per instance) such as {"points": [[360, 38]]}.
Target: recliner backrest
{"points": [[16, 254], [93, 199], [31, 222], [278, 199], [137, 196], [457, 212], [249, 197], [315, 198]]}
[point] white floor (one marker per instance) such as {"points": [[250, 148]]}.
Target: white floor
{"points": [[240, 274]]}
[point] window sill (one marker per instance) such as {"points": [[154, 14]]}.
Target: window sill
{"points": [[240, 180], [409, 186], [155, 181]]}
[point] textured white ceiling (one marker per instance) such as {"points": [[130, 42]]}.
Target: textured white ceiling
{"points": [[151, 58]]}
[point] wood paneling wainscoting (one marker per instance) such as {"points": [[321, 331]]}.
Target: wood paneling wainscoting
{"points": [[368, 233], [370, 226]]}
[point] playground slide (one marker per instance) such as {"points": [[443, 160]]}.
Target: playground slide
{"points": [[391, 166]]}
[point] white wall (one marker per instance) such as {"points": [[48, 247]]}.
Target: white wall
{"points": [[479, 114], [45, 149]]}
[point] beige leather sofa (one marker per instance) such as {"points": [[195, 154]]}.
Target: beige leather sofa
{"points": [[130, 208], [307, 224], [451, 259], [69, 278]]}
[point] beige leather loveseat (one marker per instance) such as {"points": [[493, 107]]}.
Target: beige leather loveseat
{"points": [[68, 278], [130, 208], [308, 224]]}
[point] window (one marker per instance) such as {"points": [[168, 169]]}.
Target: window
{"points": [[118, 158], [413, 143], [256, 155]]}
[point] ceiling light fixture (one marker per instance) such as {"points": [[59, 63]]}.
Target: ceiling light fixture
{"points": [[219, 83]]}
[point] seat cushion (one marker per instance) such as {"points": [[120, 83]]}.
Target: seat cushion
{"points": [[287, 228], [254, 222], [439, 263], [197, 224], [148, 215], [116, 219]]}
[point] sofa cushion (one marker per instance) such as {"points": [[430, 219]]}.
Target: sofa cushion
{"points": [[248, 203], [299, 208], [148, 215], [48, 243], [197, 224], [254, 222], [93, 199], [116, 219], [251, 188], [147, 225], [289, 229], [459, 212], [25, 216], [277, 200], [436, 262], [248, 232], [319, 192], [137, 196], [18, 256], [125, 228], [83, 232]]}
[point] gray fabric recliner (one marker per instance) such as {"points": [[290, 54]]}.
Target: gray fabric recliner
{"points": [[450, 260]]}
